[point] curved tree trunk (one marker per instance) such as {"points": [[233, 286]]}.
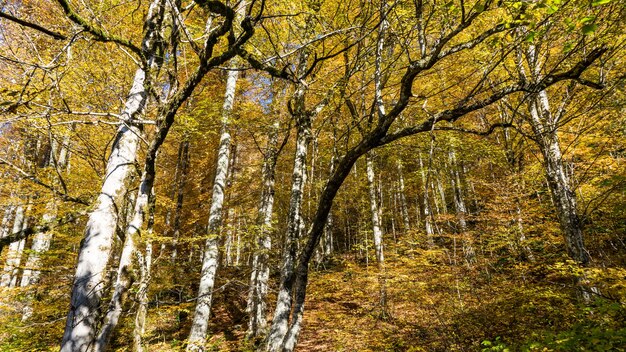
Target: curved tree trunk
{"points": [[563, 195], [95, 251]]}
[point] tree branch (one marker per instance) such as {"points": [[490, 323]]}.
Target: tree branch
{"points": [[25, 175], [98, 33], [53, 34], [478, 133], [19, 235]]}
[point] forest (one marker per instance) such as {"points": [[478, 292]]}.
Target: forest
{"points": [[312, 175]]}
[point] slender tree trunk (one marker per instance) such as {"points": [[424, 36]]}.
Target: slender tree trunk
{"points": [[461, 210], [563, 196], [280, 322], [230, 218], [5, 225], [259, 277], [378, 235], [182, 171], [427, 211], [404, 208], [545, 127], [41, 243], [145, 266], [328, 229], [125, 272], [210, 260], [14, 253]]}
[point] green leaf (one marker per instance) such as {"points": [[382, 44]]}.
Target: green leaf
{"points": [[589, 28], [600, 2], [530, 37], [587, 19]]}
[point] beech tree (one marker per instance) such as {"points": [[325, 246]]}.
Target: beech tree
{"points": [[473, 150]]}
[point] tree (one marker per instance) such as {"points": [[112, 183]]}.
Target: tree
{"points": [[432, 53]]}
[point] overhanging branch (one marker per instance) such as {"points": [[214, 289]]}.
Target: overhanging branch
{"points": [[98, 33], [53, 34]]}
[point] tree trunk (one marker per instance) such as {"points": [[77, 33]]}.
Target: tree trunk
{"points": [[328, 229], [545, 126], [563, 196], [404, 208], [125, 274], [427, 211], [182, 170], [14, 254], [378, 235], [461, 210], [5, 226], [95, 251], [145, 266], [259, 277], [210, 260], [41, 243], [280, 321]]}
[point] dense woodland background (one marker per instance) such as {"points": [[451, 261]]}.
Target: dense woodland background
{"points": [[168, 170]]}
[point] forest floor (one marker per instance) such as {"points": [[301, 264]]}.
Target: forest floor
{"points": [[436, 302]]}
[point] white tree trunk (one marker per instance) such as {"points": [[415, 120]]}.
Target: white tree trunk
{"points": [[563, 196], [198, 333], [378, 234], [328, 229], [125, 275], [257, 307], [95, 251], [14, 253], [427, 211], [280, 321], [5, 226], [545, 126], [404, 208], [41, 243], [460, 208], [145, 266]]}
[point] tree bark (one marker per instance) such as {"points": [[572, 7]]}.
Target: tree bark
{"points": [[256, 307], [94, 255], [280, 321], [14, 254], [563, 195], [460, 208], [545, 127], [404, 208], [374, 210], [210, 261], [145, 266], [427, 211], [182, 171]]}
